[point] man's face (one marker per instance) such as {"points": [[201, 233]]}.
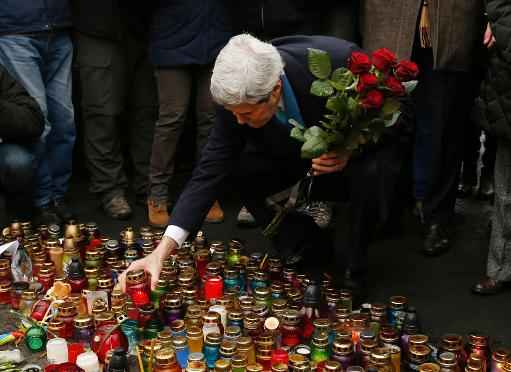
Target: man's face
{"points": [[257, 115]]}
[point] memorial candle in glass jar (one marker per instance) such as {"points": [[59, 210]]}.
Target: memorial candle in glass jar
{"points": [[137, 287]]}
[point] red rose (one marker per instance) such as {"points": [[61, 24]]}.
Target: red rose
{"points": [[395, 86], [373, 100], [383, 59], [407, 70], [366, 81], [359, 63]]}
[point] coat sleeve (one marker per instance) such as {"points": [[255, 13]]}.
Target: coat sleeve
{"points": [[216, 164], [21, 118], [499, 15]]}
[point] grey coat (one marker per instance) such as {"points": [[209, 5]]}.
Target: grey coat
{"points": [[457, 28]]}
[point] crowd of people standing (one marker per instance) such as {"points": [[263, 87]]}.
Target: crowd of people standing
{"points": [[141, 69]]}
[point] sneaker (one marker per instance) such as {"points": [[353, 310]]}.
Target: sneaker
{"points": [[158, 212], [46, 216], [63, 210], [215, 214], [245, 218], [118, 208]]}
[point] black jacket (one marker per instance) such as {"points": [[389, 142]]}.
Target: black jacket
{"points": [[493, 107], [227, 138], [269, 19], [112, 19], [21, 119]]}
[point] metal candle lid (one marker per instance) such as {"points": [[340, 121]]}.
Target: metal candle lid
{"points": [[166, 356]]}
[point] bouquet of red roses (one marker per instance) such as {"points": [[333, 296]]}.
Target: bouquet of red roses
{"points": [[363, 100]]}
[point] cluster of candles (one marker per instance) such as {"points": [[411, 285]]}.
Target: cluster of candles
{"points": [[214, 308]]}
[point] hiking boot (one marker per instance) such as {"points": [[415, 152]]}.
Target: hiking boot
{"points": [[215, 214], [158, 213], [63, 210], [118, 208]]}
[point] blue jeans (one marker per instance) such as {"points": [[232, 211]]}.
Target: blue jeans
{"points": [[42, 64], [17, 169]]}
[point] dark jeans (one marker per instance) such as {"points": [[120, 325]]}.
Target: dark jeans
{"points": [[175, 88], [370, 183], [443, 100], [17, 170], [42, 64], [116, 78]]}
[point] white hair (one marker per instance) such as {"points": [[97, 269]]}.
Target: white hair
{"points": [[246, 71]]}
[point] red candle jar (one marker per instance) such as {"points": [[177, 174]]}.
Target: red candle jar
{"points": [[5, 292], [46, 277], [39, 309], [279, 356], [201, 261], [146, 313], [291, 332], [213, 288], [67, 313], [56, 328], [108, 337], [137, 287], [17, 290], [5, 269]]}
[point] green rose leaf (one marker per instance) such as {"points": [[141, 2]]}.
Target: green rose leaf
{"points": [[390, 106], [336, 104], [352, 104], [410, 86], [297, 134], [322, 88], [341, 78], [296, 124], [390, 123], [319, 63], [314, 147]]}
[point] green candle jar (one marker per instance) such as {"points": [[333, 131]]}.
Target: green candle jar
{"points": [[319, 352], [35, 339], [159, 291]]}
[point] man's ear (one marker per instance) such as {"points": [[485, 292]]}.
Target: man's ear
{"points": [[277, 91]]}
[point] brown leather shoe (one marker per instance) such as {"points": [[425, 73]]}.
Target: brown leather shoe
{"points": [[158, 213], [215, 214]]}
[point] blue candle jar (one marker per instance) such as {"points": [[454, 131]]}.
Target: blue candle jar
{"points": [[259, 279], [235, 318], [182, 351], [212, 348], [231, 279], [178, 328]]}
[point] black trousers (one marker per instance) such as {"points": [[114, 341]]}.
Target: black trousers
{"points": [[118, 100], [444, 101], [370, 184]]}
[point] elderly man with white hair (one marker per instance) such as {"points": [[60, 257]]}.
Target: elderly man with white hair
{"points": [[259, 87]]}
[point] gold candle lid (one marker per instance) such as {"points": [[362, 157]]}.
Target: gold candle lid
{"points": [[91, 272], [239, 360], [83, 321], [380, 355], [166, 356], [256, 367], [332, 366], [92, 255], [419, 350], [177, 325], [398, 302], [214, 338], [179, 342], [104, 316], [279, 367], [429, 367], [105, 282], [223, 365], [5, 264], [342, 347], [135, 276], [418, 340], [67, 309], [244, 342], [5, 285], [194, 331], [227, 347]]}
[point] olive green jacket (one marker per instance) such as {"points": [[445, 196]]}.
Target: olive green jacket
{"points": [[457, 28]]}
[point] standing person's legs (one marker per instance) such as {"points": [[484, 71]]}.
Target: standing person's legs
{"points": [[17, 170], [101, 68], [23, 58], [143, 112], [61, 140], [174, 92], [205, 115], [499, 255], [486, 185], [450, 118]]}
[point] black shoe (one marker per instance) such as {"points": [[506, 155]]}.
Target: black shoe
{"points": [[489, 286], [63, 210], [465, 190], [46, 216], [436, 241]]}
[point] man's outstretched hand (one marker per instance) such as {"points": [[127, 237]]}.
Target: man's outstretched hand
{"points": [[151, 263], [330, 162]]}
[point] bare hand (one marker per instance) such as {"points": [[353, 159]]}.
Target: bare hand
{"points": [[329, 163], [489, 38], [151, 263]]}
